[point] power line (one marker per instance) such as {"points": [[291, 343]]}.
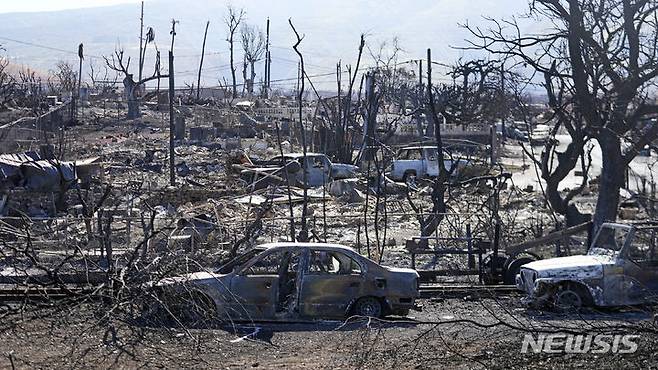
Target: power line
{"points": [[49, 47]]}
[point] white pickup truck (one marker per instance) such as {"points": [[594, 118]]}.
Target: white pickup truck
{"points": [[420, 161]]}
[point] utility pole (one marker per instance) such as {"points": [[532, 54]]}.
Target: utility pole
{"points": [[172, 171], [81, 56], [269, 71], [266, 83], [420, 74], [157, 68], [203, 51], [141, 42], [339, 77], [419, 123], [503, 105]]}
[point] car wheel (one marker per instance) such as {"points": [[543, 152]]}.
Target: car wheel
{"points": [[569, 298], [514, 268], [409, 178], [368, 306]]}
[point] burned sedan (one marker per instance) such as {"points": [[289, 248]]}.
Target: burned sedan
{"points": [[620, 268], [288, 281], [317, 167]]}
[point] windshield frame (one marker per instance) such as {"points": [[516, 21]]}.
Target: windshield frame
{"points": [[597, 249], [238, 262]]}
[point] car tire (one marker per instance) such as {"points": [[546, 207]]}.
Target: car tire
{"points": [[368, 307], [514, 268], [571, 297], [409, 178]]}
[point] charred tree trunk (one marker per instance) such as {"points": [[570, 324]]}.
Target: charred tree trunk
{"points": [[430, 222], [439, 187], [131, 92], [611, 180], [203, 52], [253, 77], [235, 86], [370, 130], [567, 161]]}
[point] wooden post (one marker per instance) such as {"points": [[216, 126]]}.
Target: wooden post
{"points": [[480, 266], [107, 242], [172, 128], [494, 254], [79, 100], [358, 237], [266, 82], [494, 144], [141, 43], [503, 105], [172, 171], [269, 71], [471, 257]]}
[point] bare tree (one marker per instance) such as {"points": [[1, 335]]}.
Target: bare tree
{"points": [[253, 44], [430, 222], [303, 234], [7, 84], [64, 78], [30, 89], [102, 81], [600, 63], [232, 21], [117, 63], [203, 52]]}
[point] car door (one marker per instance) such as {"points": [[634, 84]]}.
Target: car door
{"points": [[400, 165], [318, 170], [332, 281], [255, 289], [640, 263], [431, 162]]}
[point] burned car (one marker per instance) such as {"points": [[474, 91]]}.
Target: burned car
{"points": [[289, 281], [620, 268], [319, 170], [421, 162]]}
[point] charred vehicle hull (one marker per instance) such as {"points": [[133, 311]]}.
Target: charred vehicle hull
{"points": [[291, 281], [621, 268]]}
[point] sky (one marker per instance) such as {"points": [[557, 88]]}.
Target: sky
{"points": [[11, 6], [331, 32]]}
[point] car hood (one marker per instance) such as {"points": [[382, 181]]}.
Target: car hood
{"points": [[574, 267], [344, 170], [197, 277]]}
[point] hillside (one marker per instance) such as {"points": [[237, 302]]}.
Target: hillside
{"points": [[331, 32]]}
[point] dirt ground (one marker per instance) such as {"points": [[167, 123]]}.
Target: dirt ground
{"points": [[465, 333]]}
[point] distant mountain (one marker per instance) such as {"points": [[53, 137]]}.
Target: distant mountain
{"points": [[331, 32]]}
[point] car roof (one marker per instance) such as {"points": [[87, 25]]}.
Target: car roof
{"points": [[306, 245], [418, 147], [298, 155]]}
